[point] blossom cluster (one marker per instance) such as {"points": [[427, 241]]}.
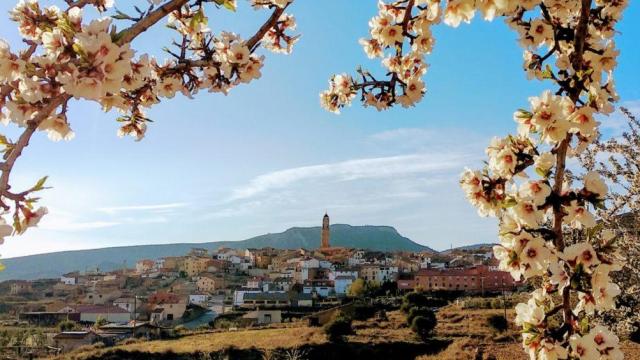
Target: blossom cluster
{"points": [[525, 183], [73, 57], [389, 30]]}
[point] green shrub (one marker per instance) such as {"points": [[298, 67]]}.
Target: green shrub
{"points": [[424, 324], [418, 311], [498, 322], [67, 325], [338, 328], [413, 299], [363, 311]]}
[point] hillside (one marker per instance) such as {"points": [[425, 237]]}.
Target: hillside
{"points": [[382, 238]]}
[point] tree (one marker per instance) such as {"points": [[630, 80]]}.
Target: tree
{"points": [[498, 322], [70, 56], [67, 325], [622, 169], [360, 288], [525, 183], [357, 288], [414, 312], [414, 299], [424, 324], [338, 328], [100, 321]]}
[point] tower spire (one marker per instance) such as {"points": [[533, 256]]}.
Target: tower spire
{"points": [[325, 232]]}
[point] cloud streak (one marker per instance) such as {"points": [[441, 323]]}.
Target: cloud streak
{"points": [[368, 168], [131, 208]]}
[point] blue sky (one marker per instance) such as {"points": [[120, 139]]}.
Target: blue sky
{"points": [[267, 157]]}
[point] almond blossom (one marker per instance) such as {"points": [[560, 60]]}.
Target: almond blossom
{"points": [[73, 54], [534, 213]]}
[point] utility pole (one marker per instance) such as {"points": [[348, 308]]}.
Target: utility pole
{"points": [[504, 298], [135, 307]]}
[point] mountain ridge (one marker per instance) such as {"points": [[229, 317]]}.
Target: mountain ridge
{"points": [[51, 265]]}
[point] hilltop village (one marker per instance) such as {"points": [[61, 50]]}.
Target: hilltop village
{"points": [[238, 288]]}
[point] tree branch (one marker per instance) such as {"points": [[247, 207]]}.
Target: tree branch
{"points": [[23, 141], [156, 15], [271, 22]]}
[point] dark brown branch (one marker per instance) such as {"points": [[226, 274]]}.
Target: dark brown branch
{"points": [[156, 15]]}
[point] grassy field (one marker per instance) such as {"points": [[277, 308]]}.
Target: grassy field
{"points": [[468, 331]]}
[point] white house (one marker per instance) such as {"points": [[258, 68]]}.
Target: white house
{"points": [[91, 313], [238, 295], [357, 258], [310, 263], [342, 284], [323, 288], [125, 303], [69, 279], [199, 299], [387, 273], [225, 254], [343, 272], [159, 263]]}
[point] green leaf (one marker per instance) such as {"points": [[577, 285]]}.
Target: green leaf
{"points": [[542, 173], [547, 73], [229, 4], [40, 184], [17, 225], [509, 202]]}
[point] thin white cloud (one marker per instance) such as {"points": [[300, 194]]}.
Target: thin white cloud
{"points": [[61, 220], [78, 226], [404, 134], [371, 168], [128, 208]]}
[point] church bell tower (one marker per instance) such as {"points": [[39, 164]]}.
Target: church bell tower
{"points": [[325, 232]]}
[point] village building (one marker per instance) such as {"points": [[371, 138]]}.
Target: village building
{"points": [[322, 288], [69, 279], [126, 303], [199, 252], [199, 299], [91, 313], [379, 273], [209, 283], [193, 266], [21, 288], [264, 317], [167, 311], [70, 340], [171, 262], [264, 300], [102, 296], [144, 265], [474, 279], [131, 329]]}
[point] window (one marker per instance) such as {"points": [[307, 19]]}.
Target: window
{"points": [[267, 318], [169, 316]]}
